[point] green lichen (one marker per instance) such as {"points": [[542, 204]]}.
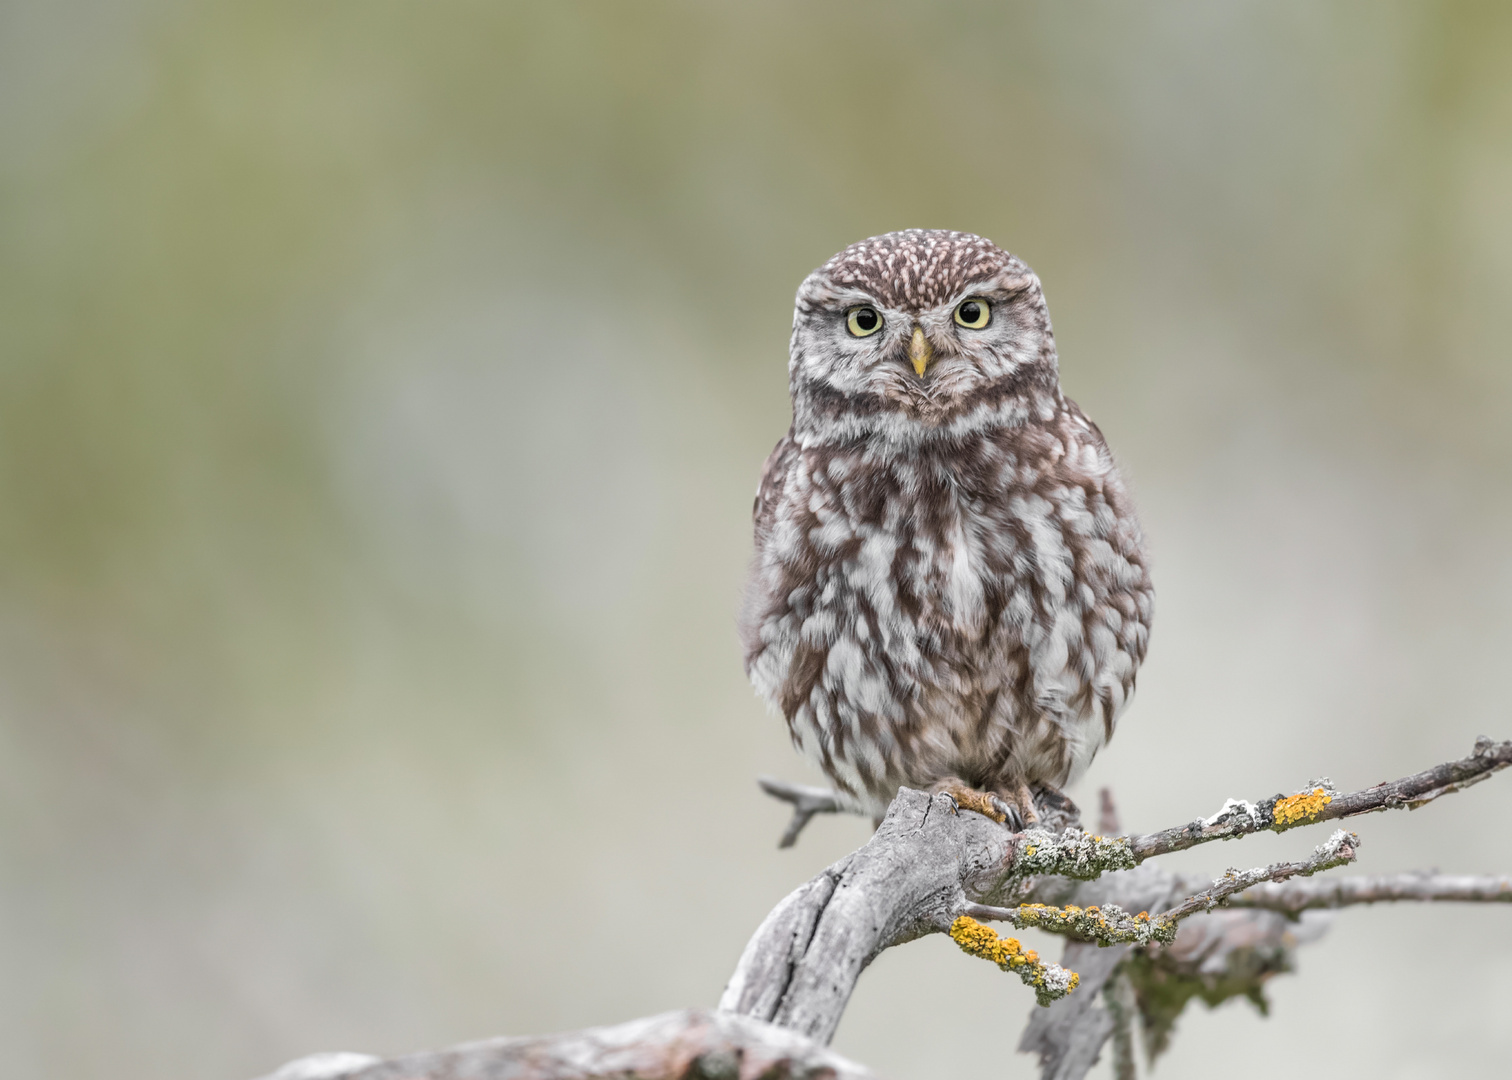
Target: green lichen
{"points": [[1072, 854], [1107, 925]]}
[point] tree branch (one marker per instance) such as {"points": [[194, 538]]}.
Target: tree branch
{"points": [[1299, 896], [1319, 802], [691, 1045], [1338, 849], [806, 802], [1109, 924], [930, 868]]}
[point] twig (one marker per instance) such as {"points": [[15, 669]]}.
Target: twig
{"points": [[806, 802], [1338, 849], [1320, 803], [1107, 813], [1299, 896]]}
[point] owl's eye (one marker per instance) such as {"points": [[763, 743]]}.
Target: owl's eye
{"points": [[863, 321], [973, 314]]}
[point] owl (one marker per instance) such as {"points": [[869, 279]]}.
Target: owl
{"points": [[950, 589]]}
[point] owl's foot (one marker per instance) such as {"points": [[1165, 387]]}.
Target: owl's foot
{"points": [[985, 803], [1021, 799]]}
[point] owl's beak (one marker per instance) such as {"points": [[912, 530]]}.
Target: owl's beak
{"points": [[920, 351]]}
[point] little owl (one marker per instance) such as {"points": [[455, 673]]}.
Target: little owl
{"points": [[950, 589]]}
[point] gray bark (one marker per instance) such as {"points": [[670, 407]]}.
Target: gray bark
{"points": [[690, 1045], [928, 865], [924, 862]]}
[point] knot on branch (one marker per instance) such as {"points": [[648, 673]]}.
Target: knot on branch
{"points": [[1050, 982]]}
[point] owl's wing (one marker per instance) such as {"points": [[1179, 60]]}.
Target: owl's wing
{"points": [[774, 475]]}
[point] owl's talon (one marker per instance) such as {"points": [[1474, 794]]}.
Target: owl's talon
{"points": [[969, 798], [1011, 816]]}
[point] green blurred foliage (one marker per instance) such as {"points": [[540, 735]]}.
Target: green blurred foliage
{"points": [[382, 387]]}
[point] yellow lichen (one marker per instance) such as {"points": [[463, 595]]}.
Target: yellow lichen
{"points": [[983, 941], [1049, 982], [1302, 807]]}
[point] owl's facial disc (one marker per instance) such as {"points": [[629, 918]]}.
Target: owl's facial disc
{"points": [[919, 328]]}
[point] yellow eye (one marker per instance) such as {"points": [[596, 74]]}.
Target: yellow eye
{"points": [[973, 314], [863, 321]]}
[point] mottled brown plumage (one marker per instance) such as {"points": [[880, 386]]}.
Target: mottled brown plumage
{"points": [[950, 587]]}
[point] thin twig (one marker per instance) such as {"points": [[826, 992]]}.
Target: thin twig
{"points": [[806, 802], [1321, 803], [1107, 815], [1338, 849], [1298, 896]]}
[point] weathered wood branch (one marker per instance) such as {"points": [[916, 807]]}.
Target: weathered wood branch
{"points": [[1320, 802], [1299, 896], [931, 868], [910, 879], [695, 1044], [927, 867], [806, 801]]}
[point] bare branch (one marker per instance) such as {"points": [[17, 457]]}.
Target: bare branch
{"points": [[1319, 802], [1299, 896], [1338, 849], [672, 1046], [909, 879], [806, 802], [1107, 815]]}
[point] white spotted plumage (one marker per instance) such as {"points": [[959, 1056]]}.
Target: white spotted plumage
{"points": [[949, 579]]}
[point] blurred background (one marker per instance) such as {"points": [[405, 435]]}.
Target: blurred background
{"points": [[383, 388]]}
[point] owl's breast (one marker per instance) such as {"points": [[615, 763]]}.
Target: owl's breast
{"points": [[932, 613]]}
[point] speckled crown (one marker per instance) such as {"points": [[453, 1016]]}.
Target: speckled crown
{"points": [[918, 268]]}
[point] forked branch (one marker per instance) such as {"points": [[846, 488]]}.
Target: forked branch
{"points": [[1109, 924], [806, 802]]}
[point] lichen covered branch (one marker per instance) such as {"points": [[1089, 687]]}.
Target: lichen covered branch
{"points": [[1073, 854], [1050, 982], [1109, 924], [1337, 850], [1106, 924], [1320, 802]]}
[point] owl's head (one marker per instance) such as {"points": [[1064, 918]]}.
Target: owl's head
{"points": [[921, 329]]}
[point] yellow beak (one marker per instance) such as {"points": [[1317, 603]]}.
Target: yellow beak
{"points": [[920, 351]]}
